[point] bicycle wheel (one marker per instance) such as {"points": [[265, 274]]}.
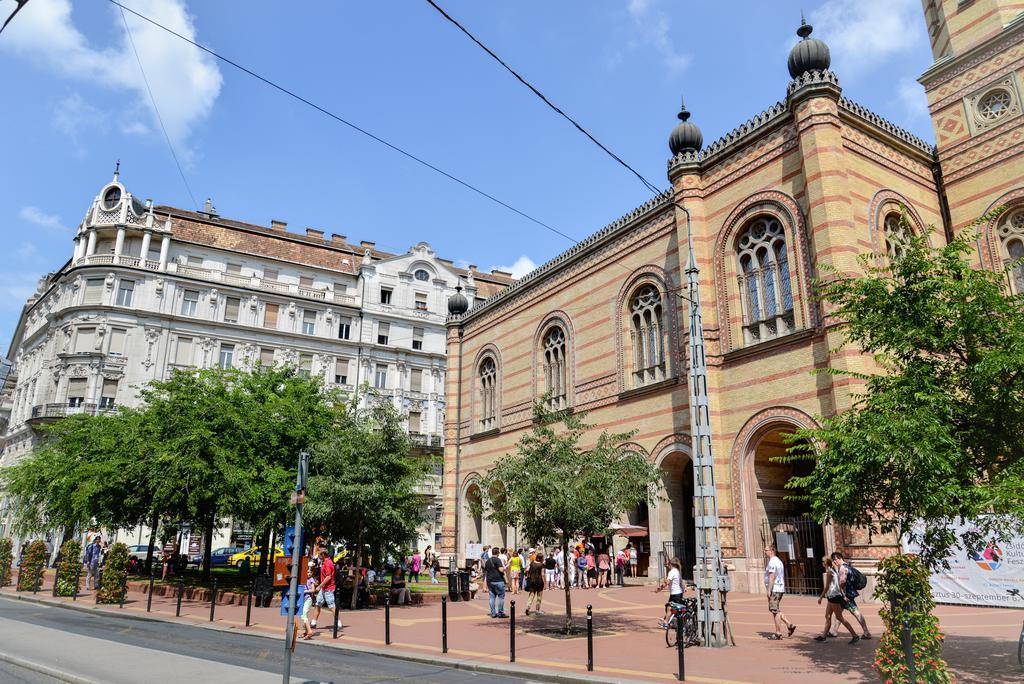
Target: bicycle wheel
{"points": [[690, 630], [670, 633]]}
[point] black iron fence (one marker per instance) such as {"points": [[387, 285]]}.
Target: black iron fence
{"points": [[800, 544]]}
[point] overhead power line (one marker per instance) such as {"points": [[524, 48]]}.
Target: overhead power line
{"points": [[650, 186], [355, 127], [156, 109]]}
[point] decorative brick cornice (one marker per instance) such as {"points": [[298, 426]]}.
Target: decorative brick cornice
{"points": [[725, 144], [866, 115], [814, 81], [645, 210]]}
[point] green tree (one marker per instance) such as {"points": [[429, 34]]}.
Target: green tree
{"points": [[362, 481], [935, 435], [553, 488]]}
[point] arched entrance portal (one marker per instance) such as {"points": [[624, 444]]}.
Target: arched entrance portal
{"points": [[672, 523], [472, 526], [778, 517]]}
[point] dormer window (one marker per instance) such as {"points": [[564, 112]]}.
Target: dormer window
{"points": [[421, 275], [111, 198]]}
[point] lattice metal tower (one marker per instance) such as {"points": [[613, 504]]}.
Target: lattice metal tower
{"points": [[713, 582]]}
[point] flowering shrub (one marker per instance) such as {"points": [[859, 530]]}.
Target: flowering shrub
{"points": [[114, 584], [902, 586], [33, 564], [69, 570], [6, 556]]}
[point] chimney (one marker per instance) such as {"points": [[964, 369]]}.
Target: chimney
{"points": [[278, 226], [337, 238], [472, 267], [314, 233], [499, 272], [366, 244]]}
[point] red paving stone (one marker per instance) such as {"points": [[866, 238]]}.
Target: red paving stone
{"points": [[980, 644]]}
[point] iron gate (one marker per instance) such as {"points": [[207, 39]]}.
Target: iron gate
{"points": [[800, 544], [678, 548]]}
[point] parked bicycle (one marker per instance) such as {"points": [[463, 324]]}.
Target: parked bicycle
{"points": [[1020, 640], [687, 613]]}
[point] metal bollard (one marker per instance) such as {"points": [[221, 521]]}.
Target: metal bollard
{"points": [[123, 593], [213, 599], [149, 599], [680, 646], [248, 602], [512, 631], [444, 624], [387, 620], [590, 638], [337, 611], [181, 590]]}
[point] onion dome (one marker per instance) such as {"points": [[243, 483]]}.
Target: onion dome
{"points": [[457, 303], [686, 136], [809, 54]]}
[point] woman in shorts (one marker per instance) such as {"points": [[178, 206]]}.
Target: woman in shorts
{"points": [[836, 601], [515, 566]]}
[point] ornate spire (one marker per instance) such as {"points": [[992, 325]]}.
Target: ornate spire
{"points": [[686, 136], [117, 170]]}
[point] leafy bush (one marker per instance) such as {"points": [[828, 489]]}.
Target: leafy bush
{"points": [[69, 570], [32, 566], [114, 586], [902, 586], [5, 561]]}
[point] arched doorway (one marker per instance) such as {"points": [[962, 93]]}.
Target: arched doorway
{"points": [[472, 517], [777, 516], [672, 523]]}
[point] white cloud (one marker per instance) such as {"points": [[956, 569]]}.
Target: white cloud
{"points": [[654, 28], [40, 218], [915, 102], [520, 267], [185, 81], [862, 35]]}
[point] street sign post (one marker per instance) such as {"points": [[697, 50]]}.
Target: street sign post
{"points": [[295, 541]]}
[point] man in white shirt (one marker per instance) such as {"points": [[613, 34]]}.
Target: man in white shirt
{"points": [[775, 586]]}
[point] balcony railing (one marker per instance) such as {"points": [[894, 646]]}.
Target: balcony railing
{"points": [[52, 411], [426, 441]]}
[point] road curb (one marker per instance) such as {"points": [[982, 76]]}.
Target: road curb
{"points": [[534, 674], [46, 670]]}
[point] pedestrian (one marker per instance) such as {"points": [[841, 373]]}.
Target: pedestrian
{"points": [[325, 594], [415, 563], [836, 601], [535, 584], [484, 557], [515, 567], [549, 570], [634, 562], [603, 565], [494, 571], [581, 570], [775, 586], [308, 599], [846, 572], [433, 562], [620, 568], [523, 564], [400, 594], [591, 569], [93, 555], [674, 581], [167, 555]]}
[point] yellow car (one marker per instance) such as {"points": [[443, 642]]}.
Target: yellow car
{"points": [[253, 555]]}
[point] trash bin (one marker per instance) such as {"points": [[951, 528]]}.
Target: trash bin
{"points": [[453, 586], [464, 581]]}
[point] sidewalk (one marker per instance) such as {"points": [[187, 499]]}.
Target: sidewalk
{"points": [[980, 646]]}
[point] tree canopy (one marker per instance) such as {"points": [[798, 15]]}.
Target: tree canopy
{"points": [[552, 488], [935, 435]]}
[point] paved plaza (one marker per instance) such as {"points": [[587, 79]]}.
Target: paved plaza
{"points": [[980, 642]]}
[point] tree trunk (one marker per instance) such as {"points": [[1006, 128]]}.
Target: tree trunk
{"points": [[565, 576], [154, 524], [263, 543], [357, 570], [207, 544]]}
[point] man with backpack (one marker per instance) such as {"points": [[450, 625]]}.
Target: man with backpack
{"points": [[851, 581]]}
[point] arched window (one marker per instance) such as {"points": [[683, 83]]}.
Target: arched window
{"points": [[1011, 236], [897, 235], [488, 393], [553, 349], [765, 287], [647, 329]]}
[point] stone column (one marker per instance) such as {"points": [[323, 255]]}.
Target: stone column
{"points": [[165, 247], [146, 237], [79, 248], [119, 242], [90, 248]]}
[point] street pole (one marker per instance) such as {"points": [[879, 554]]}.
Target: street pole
{"points": [[300, 491]]}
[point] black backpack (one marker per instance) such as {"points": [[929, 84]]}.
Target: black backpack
{"points": [[855, 580]]}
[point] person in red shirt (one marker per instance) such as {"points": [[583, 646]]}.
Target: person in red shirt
{"points": [[325, 597]]}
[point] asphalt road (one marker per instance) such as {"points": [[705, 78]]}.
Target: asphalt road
{"points": [[12, 674], [100, 646]]}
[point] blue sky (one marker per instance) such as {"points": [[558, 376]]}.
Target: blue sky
{"points": [[74, 102]]}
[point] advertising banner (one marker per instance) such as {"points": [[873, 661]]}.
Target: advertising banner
{"points": [[981, 576]]}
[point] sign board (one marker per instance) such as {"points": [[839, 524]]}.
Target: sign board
{"points": [[474, 551], [980, 576], [301, 592]]}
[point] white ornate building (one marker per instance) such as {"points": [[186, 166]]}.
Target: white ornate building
{"points": [[150, 289]]}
